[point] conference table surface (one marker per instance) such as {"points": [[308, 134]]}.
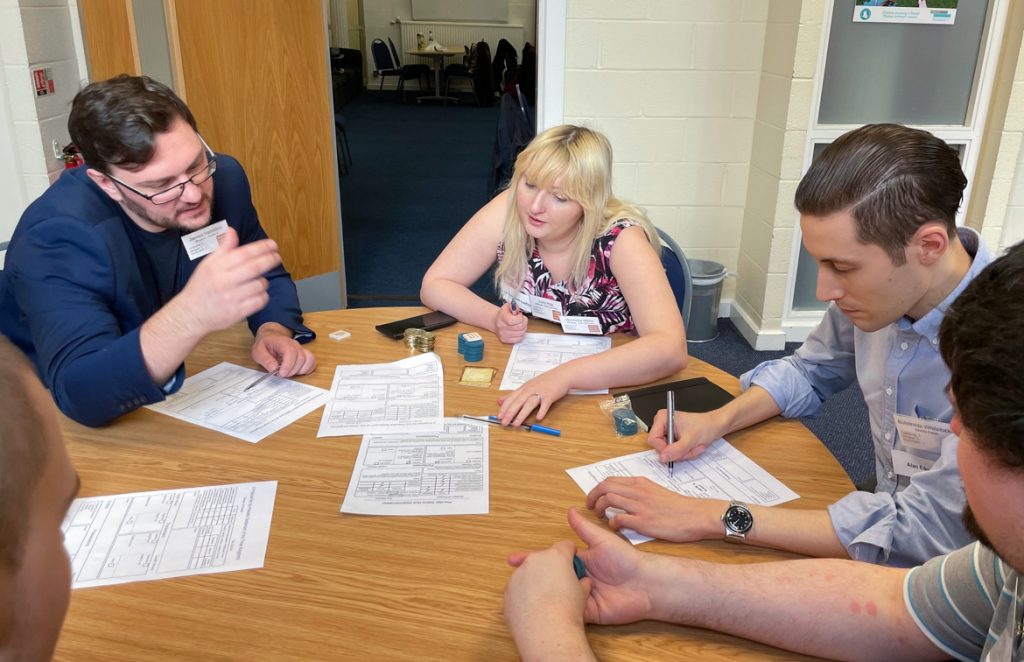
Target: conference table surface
{"points": [[349, 587]]}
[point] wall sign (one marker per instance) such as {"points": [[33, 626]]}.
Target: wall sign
{"points": [[43, 81], [926, 12]]}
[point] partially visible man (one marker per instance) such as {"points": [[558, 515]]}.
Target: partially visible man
{"points": [[37, 484], [967, 604], [99, 290], [878, 214]]}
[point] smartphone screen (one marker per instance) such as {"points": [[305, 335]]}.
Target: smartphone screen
{"points": [[428, 321]]}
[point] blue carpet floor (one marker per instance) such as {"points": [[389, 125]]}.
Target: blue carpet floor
{"points": [[420, 171]]}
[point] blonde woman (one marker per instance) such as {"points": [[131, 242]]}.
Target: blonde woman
{"points": [[565, 246]]}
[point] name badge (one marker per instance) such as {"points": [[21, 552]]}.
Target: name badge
{"points": [[581, 324], [905, 464], [205, 241], [920, 433], [546, 309], [521, 298]]}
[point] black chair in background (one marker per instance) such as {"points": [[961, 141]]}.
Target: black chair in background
{"points": [[346, 75], [418, 69], [344, 151], [461, 71], [385, 66]]}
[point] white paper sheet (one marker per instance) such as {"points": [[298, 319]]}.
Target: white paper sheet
{"points": [[216, 399], [437, 473], [168, 533], [540, 352], [720, 472], [386, 398]]}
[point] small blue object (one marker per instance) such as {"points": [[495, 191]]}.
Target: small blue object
{"points": [[625, 422], [577, 565], [531, 427], [513, 306]]}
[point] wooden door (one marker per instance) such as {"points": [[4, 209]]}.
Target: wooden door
{"points": [[108, 28], [255, 74]]}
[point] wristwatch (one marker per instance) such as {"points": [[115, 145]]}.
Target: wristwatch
{"points": [[738, 520]]}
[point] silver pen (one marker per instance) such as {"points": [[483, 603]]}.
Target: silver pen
{"points": [[272, 373], [670, 411]]}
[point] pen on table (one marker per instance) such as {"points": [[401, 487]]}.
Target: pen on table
{"points": [[494, 420], [670, 410], [272, 373]]}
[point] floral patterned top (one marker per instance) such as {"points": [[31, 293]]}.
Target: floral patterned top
{"points": [[599, 296]]}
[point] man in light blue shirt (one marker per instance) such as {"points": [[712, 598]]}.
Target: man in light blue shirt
{"points": [[966, 604], [877, 212]]}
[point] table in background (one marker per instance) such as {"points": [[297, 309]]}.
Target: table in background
{"points": [[347, 587], [437, 60]]}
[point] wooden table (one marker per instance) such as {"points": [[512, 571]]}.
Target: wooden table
{"points": [[347, 587], [437, 61]]}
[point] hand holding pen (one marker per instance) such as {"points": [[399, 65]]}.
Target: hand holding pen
{"points": [[510, 323]]}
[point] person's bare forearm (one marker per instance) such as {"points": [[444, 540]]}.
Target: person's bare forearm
{"points": [[808, 532], [166, 339], [824, 607], [458, 301], [748, 408], [643, 360]]}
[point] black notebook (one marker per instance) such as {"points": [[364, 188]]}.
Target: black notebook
{"points": [[693, 395]]}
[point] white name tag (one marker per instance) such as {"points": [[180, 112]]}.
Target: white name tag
{"points": [[546, 309], [205, 241], [921, 433], [905, 464], [521, 298], [581, 324]]}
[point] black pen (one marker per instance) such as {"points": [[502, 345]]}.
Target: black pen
{"points": [[260, 379], [670, 410]]}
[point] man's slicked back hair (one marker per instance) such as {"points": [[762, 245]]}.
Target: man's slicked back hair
{"points": [[892, 178], [116, 121], [23, 451], [982, 342]]}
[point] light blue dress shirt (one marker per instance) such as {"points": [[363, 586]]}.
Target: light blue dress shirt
{"points": [[907, 520]]}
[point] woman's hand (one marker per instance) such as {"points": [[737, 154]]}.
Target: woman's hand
{"points": [[509, 325], [538, 395]]}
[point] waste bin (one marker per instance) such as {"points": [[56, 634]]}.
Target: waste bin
{"points": [[707, 277]]}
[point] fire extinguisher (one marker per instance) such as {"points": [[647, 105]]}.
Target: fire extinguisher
{"points": [[72, 157]]}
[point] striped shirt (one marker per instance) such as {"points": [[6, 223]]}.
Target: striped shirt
{"points": [[968, 603]]}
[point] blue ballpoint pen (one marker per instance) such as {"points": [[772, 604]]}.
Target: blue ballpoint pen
{"points": [[531, 427]]}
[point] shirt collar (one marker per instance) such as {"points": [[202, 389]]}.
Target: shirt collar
{"points": [[928, 326]]}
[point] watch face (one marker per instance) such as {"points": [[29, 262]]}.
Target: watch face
{"points": [[738, 519]]}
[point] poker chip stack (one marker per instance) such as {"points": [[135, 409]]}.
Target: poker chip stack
{"points": [[419, 340], [471, 346]]}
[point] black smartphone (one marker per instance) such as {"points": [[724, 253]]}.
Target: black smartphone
{"points": [[428, 322]]}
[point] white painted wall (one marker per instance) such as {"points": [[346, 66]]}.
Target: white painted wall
{"points": [[33, 33], [674, 85]]}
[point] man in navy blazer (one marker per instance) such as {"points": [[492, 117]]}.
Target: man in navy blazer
{"points": [[98, 288]]}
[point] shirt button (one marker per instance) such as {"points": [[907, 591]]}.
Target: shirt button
{"points": [[890, 475], [888, 436], [935, 341], [888, 390], [904, 345]]}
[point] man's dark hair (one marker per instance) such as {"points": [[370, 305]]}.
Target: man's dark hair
{"points": [[116, 121], [892, 178], [982, 342], [23, 451]]}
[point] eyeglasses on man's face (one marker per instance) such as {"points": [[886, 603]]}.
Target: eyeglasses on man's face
{"points": [[174, 192]]}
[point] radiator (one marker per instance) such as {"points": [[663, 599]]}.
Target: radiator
{"points": [[457, 35]]}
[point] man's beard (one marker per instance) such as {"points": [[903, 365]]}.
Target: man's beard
{"points": [[973, 528], [167, 222]]}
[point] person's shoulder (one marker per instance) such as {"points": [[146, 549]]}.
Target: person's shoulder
{"points": [[73, 195]]}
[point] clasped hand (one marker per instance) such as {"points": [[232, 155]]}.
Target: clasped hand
{"points": [[510, 327]]}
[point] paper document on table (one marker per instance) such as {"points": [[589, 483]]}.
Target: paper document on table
{"points": [[430, 473], [168, 533], [720, 472], [216, 399], [386, 398], [540, 352]]}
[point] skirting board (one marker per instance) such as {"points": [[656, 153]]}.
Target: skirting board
{"points": [[792, 331]]}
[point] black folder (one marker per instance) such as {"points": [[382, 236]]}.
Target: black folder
{"points": [[693, 395]]}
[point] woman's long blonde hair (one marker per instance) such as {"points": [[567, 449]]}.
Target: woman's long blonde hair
{"points": [[582, 158]]}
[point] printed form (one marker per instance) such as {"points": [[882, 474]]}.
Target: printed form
{"points": [[540, 352], [436, 473], [386, 398], [720, 472], [216, 399], [168, 533]]}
